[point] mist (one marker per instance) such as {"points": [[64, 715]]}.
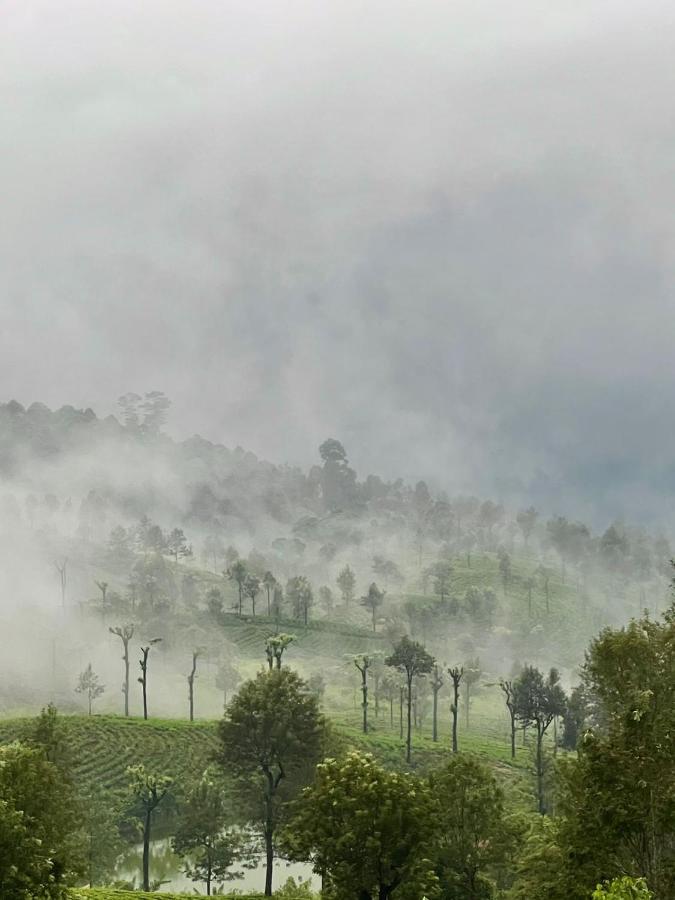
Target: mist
{"points": [[442, 234]]}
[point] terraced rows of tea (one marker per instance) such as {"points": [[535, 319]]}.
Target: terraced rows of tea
{"points": [[103, 746]]}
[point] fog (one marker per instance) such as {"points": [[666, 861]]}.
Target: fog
{"points": [[442, 233]]}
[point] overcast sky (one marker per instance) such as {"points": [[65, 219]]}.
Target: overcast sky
{"points": [[442, 232]]}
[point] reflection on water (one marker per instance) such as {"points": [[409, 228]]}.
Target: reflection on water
{"points": [[166, 867]]}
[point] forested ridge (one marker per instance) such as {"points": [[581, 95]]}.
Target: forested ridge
{"points": [[412, 694]]}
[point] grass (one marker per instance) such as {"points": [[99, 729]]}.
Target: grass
{"points": [[103, 746]]}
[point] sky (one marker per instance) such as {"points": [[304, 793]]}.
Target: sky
{"points": [[440, 232]]}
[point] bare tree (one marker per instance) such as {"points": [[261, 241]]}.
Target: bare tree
{"points": [[455, 674], [124, 633], [436, 684], [62, 569], [143, 680], [191, 683], [103, 588], [362, 663], [509, 699]]}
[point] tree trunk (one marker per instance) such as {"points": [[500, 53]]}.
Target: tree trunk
{"points": [[540, 771], [408, 746], [364, 691], [269, 859], [513, 736], [146, 851], [126, 678], [400, 711], [145, 700], [434, 726]]}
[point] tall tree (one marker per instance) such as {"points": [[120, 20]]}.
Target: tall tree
{"points": [[455, 673], [125, 634], [538, 701], [472, 675], [149, 791], [177, 545], [436, 684], [201, 838], [299, 592], [373, 600], [252, 589], [507, 689], [346, 582], [191, 684], [473, 832], [362, 663], [269, 583], [527, 519], [412, 659], [271, 737], [143, 680], [238, 573]]}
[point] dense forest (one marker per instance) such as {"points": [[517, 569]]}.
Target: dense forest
{"points": [[222, 670]]}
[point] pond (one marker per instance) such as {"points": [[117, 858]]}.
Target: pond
{"points": [[166, 867]]}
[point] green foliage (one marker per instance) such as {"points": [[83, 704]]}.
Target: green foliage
{"points": [[367, 830], [40, 843], [625, 888], [473, 837], [201, 839]]}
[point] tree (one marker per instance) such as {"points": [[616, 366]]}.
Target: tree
{"points": [[436, 684], [455, 673], [270, 738], [527, 519], [473, 834], [472, 674], [214, 550], [362, 663], [227, 679], [507, 688], [238, 573], [545, 573], [367, 830], [387, 570], [177, 545], [346, 581], [102, 843], [201, 838], [373, 601], [252, 589], [88, 684], [277, 604], [40, 845], [62, 569], [299, 592], [269, 582], [191, 684], [505, 570], [275, 646], [529, 584], [103, 588], [326, 599], [624, 888], [338, 481], [441, 572], [149, 791], [538, 702], [412, 659], [125, 634], [143, 680]]}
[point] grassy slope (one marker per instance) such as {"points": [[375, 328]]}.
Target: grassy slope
{"points": [[103, 746]]}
